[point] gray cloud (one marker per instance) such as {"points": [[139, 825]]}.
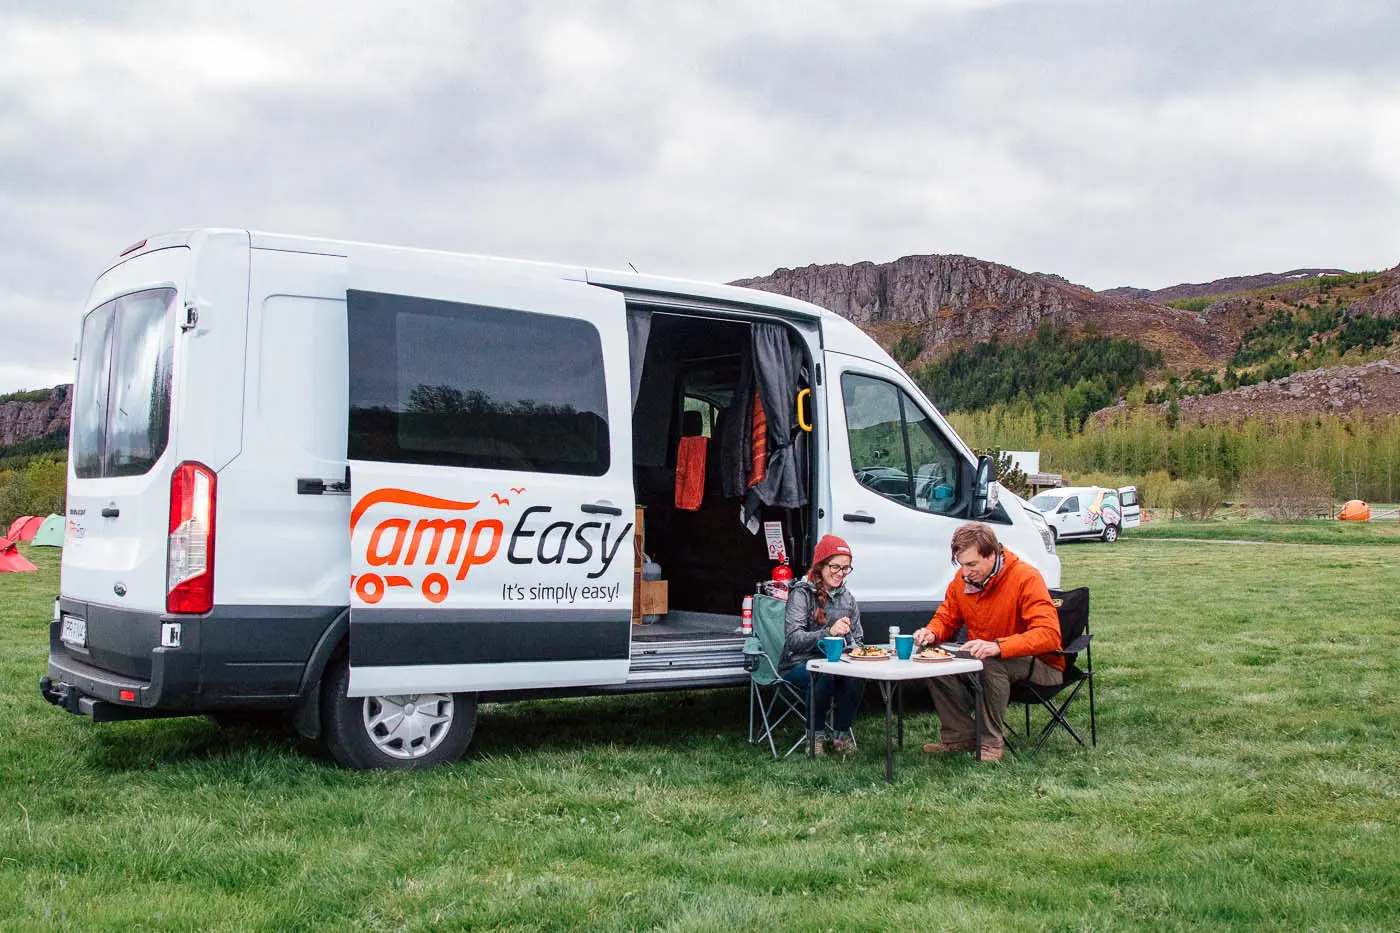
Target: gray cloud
{"points": [[1111, 142]]}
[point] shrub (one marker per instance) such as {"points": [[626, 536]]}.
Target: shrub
{"points": [[1198, 498], [38, 489], [906, 349], [1287, 492]]}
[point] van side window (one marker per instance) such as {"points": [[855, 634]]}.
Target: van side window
{"points": [[896, 450], [1070, 505], [450, 384], [121, 405]]}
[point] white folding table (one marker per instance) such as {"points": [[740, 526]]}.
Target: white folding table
{"points": [[891, 674]]}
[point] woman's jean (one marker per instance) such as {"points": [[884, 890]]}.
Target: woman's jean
{"points": [[846, 691]]}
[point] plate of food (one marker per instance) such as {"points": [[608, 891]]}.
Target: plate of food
{"points": [[869, 653], [932, 653]]}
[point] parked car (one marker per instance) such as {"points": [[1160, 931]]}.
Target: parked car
{"points": [[1089, 511]]}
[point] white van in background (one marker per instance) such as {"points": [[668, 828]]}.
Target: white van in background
{"points": [[1089, 511], [371, 487]]}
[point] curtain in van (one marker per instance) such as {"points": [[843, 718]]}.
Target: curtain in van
{"points": [[774, 369], [638, 332], [778, 371]]}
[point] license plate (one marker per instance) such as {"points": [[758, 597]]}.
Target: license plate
{"points": [[74, 632]]}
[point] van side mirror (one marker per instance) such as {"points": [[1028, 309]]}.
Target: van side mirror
{"points": [[985, 490]]}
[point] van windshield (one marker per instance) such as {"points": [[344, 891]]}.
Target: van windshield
{"points": [[121, 403], [1047, 502]]}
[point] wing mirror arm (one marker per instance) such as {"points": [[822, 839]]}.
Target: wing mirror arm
{"points": [[986, 492]]}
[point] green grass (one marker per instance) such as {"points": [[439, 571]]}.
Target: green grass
{"points": [[1319, 531], [1247, 776]]}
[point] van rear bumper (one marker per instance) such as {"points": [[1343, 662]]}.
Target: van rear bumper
{"points": [[234, 658]]}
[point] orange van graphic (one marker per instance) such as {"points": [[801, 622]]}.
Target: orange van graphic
{"points": [[454, 538]]}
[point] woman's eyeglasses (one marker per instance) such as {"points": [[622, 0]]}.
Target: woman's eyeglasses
{"points": [[841, 571]]}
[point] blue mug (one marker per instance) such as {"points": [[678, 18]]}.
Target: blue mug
{"points": [[833, 647], [904, 646]]}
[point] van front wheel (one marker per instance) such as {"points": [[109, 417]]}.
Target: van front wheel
{"points": [[409, 732]]}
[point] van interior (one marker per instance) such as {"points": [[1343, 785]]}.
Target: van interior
{"points": [[690, 386]]}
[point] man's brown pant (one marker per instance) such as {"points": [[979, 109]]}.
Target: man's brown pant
{"points": [[953, 699]]}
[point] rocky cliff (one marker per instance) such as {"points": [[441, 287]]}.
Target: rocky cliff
{"points": [[22, 421], [1373, 388], [1238, 283], [956, 300], [1385, 303]]}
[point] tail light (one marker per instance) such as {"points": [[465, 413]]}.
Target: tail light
{"points": [[189, 571]]}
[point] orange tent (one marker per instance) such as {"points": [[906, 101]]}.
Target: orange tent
{"points": [[24, 528], [1355, 511], [11, 560]]}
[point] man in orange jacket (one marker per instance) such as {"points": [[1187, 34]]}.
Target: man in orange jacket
{"points": [[1012, 628]]}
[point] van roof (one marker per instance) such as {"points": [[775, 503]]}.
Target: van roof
{"points": [[632, 282], [837, 331]]}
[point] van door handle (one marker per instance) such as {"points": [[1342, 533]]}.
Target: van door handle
{"points": [[593, 508], [859, 517], [111, 512]]}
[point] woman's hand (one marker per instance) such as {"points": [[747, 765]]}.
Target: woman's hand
{"points": [[841, 627], [923, 637]]}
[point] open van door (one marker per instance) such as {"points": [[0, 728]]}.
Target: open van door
{"points": [[490, 459], [1132, 508]]}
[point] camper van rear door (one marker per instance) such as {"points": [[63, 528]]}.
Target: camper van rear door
{"points": [[491, 522]]}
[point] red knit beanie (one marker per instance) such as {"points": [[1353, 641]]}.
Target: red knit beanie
{"points": [[829, 546]]}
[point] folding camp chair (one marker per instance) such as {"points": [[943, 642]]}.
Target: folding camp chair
{"points": [[1075, 639], [771, 699]]}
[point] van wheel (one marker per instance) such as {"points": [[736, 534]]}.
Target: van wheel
{"points": [[1110, 533], [394, 733], [1054, 535]]}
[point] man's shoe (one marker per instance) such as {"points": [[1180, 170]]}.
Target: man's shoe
{"points": [[842, 745], [939, 748], [993, 752]]}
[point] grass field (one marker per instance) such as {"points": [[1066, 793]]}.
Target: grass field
{"points": [[1247, 776], [1319, 531]]}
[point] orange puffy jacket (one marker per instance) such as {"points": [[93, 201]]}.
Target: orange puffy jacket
{"points": [[1014, 611]]}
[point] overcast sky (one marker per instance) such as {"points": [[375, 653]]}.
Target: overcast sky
{"points": [[1118, 142]]}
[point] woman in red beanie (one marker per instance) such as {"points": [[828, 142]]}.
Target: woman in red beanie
{"points": [[818, 607]]}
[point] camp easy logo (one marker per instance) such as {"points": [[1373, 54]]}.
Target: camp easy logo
{"points": [[437, 547]]}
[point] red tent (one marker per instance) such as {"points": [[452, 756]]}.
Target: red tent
{"points": [[11, 560], [24, 528]]}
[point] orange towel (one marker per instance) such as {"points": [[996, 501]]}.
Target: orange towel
{"points": [[758, 439], [690, 472]]}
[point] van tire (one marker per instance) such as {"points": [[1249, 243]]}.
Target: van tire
{"points": [[1110, 533], [346, 728]]}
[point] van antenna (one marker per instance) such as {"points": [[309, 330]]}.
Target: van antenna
{"points": [[633, 268]]}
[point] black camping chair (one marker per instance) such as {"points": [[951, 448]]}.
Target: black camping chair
{"points": [[1075, 639]]}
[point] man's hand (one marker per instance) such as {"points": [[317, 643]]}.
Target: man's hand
{"points": [[980, 649], [922, 637], [841, 626]]}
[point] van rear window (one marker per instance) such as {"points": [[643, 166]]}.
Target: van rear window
{"points": [[121, 403], [439, 382]]}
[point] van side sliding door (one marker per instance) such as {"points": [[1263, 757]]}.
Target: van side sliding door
{"points": [[490, 454]]}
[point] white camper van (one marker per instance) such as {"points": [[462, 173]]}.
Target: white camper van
{"points": [[1089, 511], [374, 486]]}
